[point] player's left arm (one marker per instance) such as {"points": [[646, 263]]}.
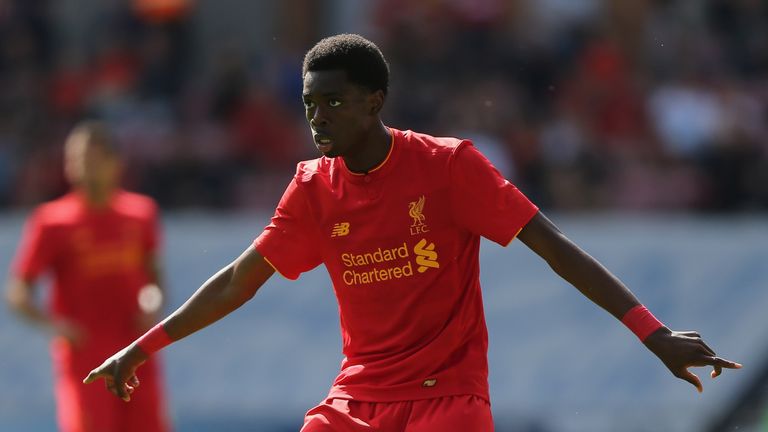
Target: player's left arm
{"points": [[152, 295], [677, 350]]}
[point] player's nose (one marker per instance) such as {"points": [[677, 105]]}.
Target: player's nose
{"points": [[318, 118]]}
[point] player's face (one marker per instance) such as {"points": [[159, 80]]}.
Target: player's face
{"points": [[341, 114], [88, 165]]}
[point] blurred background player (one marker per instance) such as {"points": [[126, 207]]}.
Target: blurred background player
{"points": [[99, 243]]}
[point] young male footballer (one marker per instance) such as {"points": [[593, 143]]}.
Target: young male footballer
{"points": [[396, 217]]}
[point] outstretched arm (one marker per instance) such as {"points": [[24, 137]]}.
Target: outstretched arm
{"points": [[224, 292], [677, 350]]}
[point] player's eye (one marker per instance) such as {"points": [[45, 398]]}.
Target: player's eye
{"points": [[308, 104], [334, 103]]}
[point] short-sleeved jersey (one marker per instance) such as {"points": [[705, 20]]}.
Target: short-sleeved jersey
{"points": [[401, 244], [97, 258]]}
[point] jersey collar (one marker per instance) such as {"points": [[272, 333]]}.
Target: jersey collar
{"points": [[380, 170]]}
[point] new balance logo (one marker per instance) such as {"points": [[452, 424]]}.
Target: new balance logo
{"points": [[340, 229], [426, 257]]}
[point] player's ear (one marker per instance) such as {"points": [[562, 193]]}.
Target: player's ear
{"points": [[376, 102]]}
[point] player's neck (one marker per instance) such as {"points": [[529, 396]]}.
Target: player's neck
{"points": [[97, 198], [373, 153]]}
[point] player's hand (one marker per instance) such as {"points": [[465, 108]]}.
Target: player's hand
{"points": [[119, 372], [682, 350]]}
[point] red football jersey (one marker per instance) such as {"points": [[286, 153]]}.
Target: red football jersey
{"points": [[97, 258], [401, 244]]}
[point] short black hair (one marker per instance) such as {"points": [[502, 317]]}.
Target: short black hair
{"points": [[360, 58]]}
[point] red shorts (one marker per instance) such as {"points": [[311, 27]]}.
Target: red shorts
{"points": [[446, 414], [91, 408]]}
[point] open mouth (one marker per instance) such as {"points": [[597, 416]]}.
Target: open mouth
{"points": [[323, 142]]}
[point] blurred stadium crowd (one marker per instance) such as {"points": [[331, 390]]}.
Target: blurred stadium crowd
{"points": [[587, 105]]}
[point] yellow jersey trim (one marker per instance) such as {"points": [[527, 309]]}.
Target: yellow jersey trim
{"points": [[377, 167], [513, 237], [275, 268]]}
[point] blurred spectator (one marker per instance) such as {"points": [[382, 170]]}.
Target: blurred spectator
{"points": [[589, 105]]}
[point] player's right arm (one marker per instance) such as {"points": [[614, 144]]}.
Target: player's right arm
{"points": [[221, 294], [37, 251], [20, 296]]}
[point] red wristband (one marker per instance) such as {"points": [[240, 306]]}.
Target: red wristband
{"points": [[154, 340], [641, 321]]}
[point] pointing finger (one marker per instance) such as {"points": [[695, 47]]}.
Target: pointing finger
{"points": [[723, 363], [94, 375]]}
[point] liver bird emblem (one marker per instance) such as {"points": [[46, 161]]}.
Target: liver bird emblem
{"points": [[415, 210]]}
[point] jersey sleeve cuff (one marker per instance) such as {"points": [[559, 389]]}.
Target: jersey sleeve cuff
{"points": [[259, 248], [525, 222]]}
